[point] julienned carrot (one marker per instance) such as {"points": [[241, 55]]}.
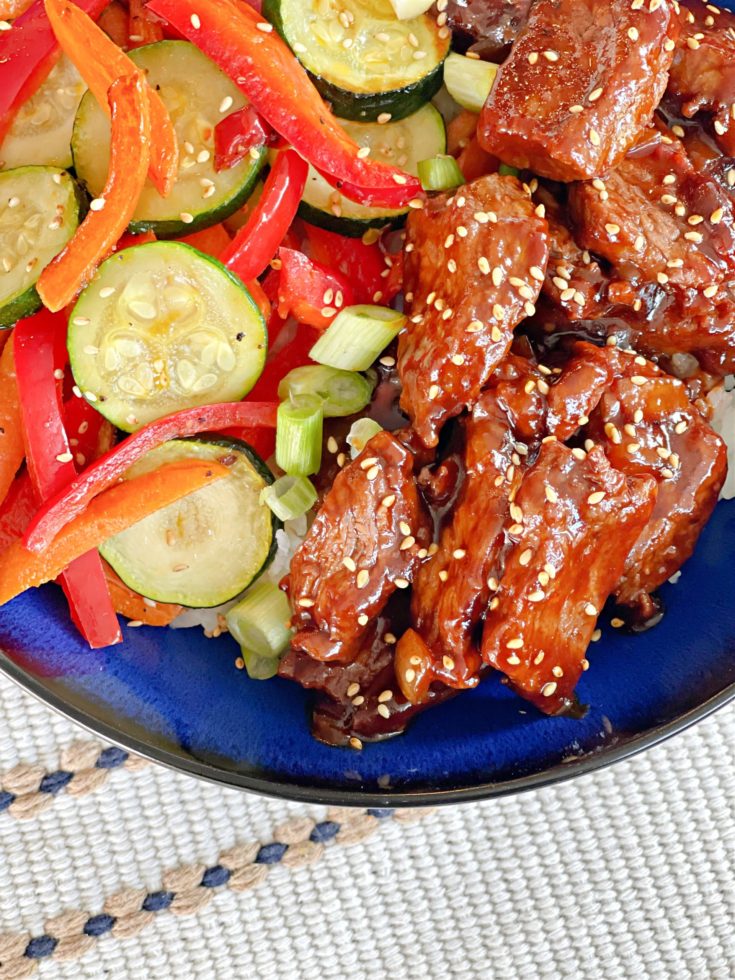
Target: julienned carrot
{"points": [[110, 215], [100, 61], [12, 450], [111, 513], [133, 606]]}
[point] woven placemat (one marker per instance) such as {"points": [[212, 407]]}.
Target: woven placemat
{"points": [[112, 868]]}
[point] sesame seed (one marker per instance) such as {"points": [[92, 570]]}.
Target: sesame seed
{"points": [[551, 495], [594, 96], [638, 380], [458, 553], [389, 639], [576, 109], [515, 644], [407, 543], [388, 501], [596, 497], [401, 583], [526, 557], [662, 278], [186, 217], [617, 623], [195, 21], [363, 577], [710, 291], [443, 575], [97, 204], [373, 472], [355, 743], [349, 564], [716, 216], [433, 392], [612, 229], [265, 27], [694, 236], [548, 689], [539, 658], [64, 458], [352, 690], [537, 596], [595, 137], [305, 602], [382, 709], [410, 675], [590, 609], [384, 117], [633, 34], [681, 427], [533, 58], [551, 56]]}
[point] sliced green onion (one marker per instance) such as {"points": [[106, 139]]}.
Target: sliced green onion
{"points": [[507, 171], [300, 423], [259, 668], [440, 173], [342, 392], [357, 336], [289, 497], [260, 624], [469, 81], [360, 435]]}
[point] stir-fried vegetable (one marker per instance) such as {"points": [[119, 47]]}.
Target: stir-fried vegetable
{"points": [[248, 49], [100, 62], [73, 500], [39, 355], [107, 515], [108, 218], [12, 451]]}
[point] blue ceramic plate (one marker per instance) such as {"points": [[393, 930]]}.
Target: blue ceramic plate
{"points": [[176, 697]]}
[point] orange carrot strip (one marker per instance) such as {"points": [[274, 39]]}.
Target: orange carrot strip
{"points": [[93, 240], [12, 449], [133, 606], [143, 29], [111, 513], [99, 62], [212, 241]]}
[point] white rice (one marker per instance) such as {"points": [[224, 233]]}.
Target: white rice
{"points": [[722, 400], [288, 540]]}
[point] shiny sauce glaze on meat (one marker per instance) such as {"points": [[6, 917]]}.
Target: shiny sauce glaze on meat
{"points": [[473, 270], [544, 460], [582, 80]]}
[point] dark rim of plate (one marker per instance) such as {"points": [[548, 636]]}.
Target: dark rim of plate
{"points": [[335, 796]]}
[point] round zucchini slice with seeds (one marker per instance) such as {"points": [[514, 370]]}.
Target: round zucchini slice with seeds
{"points": [[163, 327], [39, 213], [364, 61], [208, 547], [197, 95], [419, 137], [40, 134]]}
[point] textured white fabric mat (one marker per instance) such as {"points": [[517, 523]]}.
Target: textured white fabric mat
{"points": [[628, 873]]}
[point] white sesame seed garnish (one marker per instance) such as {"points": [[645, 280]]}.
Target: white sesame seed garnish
{"points": [[349, 564], [265, 27], [548, 689], [355, 743], [97, 204], [363, 619], [633, 33], [595, 137], [352, 690], [515, 644], [597, 497], [590, 609], [64, 458], [551, 56], [401, 583], [305, 602], [5, 26], [388, 501], [186, 217], [551, 495], [363, 577], [384, 117], [576, 109], [195, 21]]}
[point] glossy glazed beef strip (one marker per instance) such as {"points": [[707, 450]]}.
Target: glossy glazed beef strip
{"points": [[582, 81]]}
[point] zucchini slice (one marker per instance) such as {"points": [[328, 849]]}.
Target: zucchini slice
{"points": [[163, 327], [362, 59], [41, 132], [39, 213], [403, 144], [197, 95], [208, 547]]}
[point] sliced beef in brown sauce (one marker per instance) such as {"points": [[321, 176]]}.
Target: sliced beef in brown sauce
{"points": [[582, 81], [474, 265]]}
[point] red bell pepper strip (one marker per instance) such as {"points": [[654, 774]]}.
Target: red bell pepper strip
{"points": [[38, 355], [130, 241], [255, 244], [142, 28], [17, 510], [99, 62], [90, 434], [236, 135], [12, 449], [73, 498], [115, 23], [28, 52], [93, 240], [212, 241], [312, 292], [365, 266], [248, 49]]}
